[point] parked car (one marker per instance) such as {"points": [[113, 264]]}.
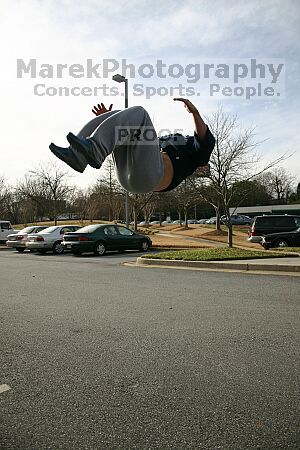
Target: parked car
{"points": [[5, 230], [238, 219], [18, 240], [264, 225], [100, 238], [155, 222], [177, 222], [50, 239], [202, 221], [284, 239], [166, 222], [212, 220], [192, 221]]}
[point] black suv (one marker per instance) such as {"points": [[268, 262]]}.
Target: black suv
{"points": [[283, 239], [263, 225]]}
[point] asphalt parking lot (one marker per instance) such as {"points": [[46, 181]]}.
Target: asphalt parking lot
{"points": [[96, 354]]}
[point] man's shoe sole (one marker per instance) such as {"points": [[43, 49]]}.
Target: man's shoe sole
{"points": [[57, 152], [82, 148]]}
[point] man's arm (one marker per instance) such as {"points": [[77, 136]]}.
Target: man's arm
{"points": [[203, 142], [200, 125]]}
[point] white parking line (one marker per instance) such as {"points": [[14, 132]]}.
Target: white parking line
{"points": [[4, 388]]}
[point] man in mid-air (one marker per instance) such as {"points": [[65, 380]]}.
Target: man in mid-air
{"points": [[143, 161]]}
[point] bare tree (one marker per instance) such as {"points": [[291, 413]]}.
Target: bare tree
{"points": [[149, 207], [4, 197], [234, 159], [185, 196], [279, 182], [295, 196], [32, 195], [80, 203], [113, 192], [13, 206], [97, 204], [138, 203], [47, 187]]}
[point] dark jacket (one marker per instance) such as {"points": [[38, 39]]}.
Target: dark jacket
{"points": [[186, 153]]}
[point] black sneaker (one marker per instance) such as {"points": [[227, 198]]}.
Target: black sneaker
{"points": [[85, 147], [67, 156]]}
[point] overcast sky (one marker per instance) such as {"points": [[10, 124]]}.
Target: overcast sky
{"points": [[141, 32]]}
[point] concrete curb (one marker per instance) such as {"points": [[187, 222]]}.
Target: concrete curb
{"points": [[233, 265]]}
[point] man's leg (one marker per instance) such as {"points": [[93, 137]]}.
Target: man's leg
{"points": [[72, 157], [131, 137], [91, 126]]}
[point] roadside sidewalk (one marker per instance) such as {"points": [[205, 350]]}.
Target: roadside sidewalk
{"points": [[285, 265]]}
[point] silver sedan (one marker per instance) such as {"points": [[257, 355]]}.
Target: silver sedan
{"points": [[50, 239], [18, 240]]}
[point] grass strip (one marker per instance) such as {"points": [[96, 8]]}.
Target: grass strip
{"points": [[287, 249], [214, 254]]}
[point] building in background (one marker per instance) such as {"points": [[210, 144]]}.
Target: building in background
{"points": [[268, 209]]}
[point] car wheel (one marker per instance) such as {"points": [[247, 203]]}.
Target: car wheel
{"points": [[57, 248], [144, 245], [76, 252], [99, 249], [20, 250], [281, 243]]}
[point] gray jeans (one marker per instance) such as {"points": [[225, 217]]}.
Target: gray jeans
{"points": [[130, 137]]}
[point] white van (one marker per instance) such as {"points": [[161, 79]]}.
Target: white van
{"points": [[6, 229]]}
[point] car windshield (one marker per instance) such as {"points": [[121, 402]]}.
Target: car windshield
{"points": [[40, 229], [27, 230], [88, 229], [50, 229]]}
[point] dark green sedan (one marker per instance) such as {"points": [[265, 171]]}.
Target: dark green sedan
{"points": [[100, 238]]}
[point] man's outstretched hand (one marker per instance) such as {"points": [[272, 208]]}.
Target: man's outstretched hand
{"points": [[200, 126], [188, 104], [101, 109]]}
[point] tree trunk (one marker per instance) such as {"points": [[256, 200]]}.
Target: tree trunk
{"points": [[229, 233], [55, 212], [218, 218], [134, 217], [179, 217], [146, 218], [186, 219], [160, 219]]}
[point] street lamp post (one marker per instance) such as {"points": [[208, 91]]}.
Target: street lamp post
{"points": [[120, 79]]}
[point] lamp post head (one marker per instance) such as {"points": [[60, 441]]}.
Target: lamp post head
{"points": [[119, 78]]}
